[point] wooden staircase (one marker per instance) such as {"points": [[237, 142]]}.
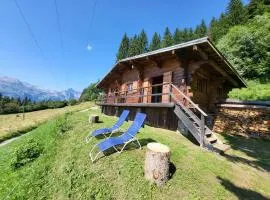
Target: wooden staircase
{"points": [[194, 120]]}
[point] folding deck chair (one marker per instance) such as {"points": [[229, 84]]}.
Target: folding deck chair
{"points": [[114, 128], [125, 138]]}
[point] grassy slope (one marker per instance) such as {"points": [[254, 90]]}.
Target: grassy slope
{"points": [[65, 171], [254, 91], [11, 125]]}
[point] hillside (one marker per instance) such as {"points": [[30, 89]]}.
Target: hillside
{"points": [[63, 170], [15, 88]]}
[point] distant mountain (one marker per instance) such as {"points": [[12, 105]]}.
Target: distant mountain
{"points": [[15, 88]]}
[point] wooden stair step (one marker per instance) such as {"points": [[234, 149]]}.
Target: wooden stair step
{"points": [[212, 139], [208, 133], [221, 148]]}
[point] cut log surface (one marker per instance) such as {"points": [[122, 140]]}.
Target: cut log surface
{"points": [[157, 163], [93, 119]]}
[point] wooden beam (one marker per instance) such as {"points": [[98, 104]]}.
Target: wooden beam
{"points": [[158, 63], [201, 52], [223, 72], [126, 66]]}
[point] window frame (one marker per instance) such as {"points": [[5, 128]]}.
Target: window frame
{"points": [[129, 89]]}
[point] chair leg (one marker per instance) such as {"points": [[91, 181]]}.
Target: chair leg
{"points": [[124, 146], [115, 149], [87, 140], [94, 159], [90, 154], [138, 143]]}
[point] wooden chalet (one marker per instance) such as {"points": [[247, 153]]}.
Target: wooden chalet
{"points": [[175, 86]]}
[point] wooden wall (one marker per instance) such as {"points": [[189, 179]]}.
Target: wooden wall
{"points": [[182, 74], [161, 117]]}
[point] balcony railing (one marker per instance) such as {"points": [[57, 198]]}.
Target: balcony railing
{"points": [[158, 93], [169, 93]]}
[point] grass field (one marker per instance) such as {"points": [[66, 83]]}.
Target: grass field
{"points": [[13, 124], [64, 170]]}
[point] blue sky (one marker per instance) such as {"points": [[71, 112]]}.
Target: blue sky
{"points": [[77, 67]]}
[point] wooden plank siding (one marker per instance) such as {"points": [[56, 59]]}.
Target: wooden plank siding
{"points": [[172, 72], [160, 117]]}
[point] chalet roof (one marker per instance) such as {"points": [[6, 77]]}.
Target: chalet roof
{"points": [[204, 43]]}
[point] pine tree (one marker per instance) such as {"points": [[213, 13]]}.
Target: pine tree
{"points": [[212, 29], [123, 49], [178, 36], [167, 38], [219, 28], [156, 42], [255, 7], [190, 34], [134, 48], [236, 12], [142, 42], [185, 35], [201, 30]]}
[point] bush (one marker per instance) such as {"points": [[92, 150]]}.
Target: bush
{"points": [[63, 124], [57, 104], [247, 48], [26, 153], [72, 102], [11, 107], [254, 91], [90, 93]]}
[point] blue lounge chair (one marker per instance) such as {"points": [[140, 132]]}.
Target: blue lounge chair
{"points": [[125, 138], [114, 128]]}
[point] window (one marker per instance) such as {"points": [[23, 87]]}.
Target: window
{"points": [[202, 85], [129, 87]]}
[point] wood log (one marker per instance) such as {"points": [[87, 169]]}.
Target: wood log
{"points": [[157, 163], [93, 118]]}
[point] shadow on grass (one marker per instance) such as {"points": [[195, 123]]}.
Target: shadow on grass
{"points": [[257, 149], [190, 137], [241, 193], [131, 146], [172, 170]]}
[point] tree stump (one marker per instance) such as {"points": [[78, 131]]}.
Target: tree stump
{"points": [[93, 119], [157, 163]]}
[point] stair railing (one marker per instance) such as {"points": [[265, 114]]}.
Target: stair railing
{"points": [[184, 101]]}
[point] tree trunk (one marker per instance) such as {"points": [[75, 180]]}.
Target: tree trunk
{"points": [[157, 163], [93, 119]]}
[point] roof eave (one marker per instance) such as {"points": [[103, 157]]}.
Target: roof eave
{"points": [[228, 63]]}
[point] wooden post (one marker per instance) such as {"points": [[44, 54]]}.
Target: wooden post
{"points": [[157, 163], [170, 92], [202, 127], [93, 118], [167, 78]]}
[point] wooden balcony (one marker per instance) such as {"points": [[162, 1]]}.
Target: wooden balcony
{"points": [[158, 95]]}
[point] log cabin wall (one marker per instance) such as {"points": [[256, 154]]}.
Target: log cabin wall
{"points": [[171, 71], [131, 76], [198, 81], [160, 117], [206, 86]]}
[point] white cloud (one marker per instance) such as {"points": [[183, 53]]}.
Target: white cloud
{"points": [[89, 47]]}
